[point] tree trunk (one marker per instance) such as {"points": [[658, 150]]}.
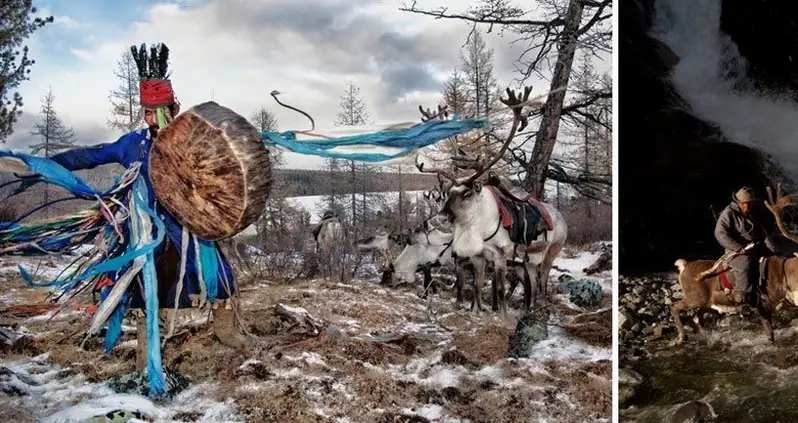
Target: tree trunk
{"points": [[401, 202], [550, 122], [354, 190]]}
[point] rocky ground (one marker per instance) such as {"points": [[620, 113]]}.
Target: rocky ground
{"points": [[643, 310], [732, 374], [379, 355]]}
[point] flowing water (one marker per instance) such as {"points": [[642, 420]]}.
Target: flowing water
{"points": [[733, 368], [711, 77]]}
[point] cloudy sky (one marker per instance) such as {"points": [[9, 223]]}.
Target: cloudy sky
{"points": [[237, 51]]}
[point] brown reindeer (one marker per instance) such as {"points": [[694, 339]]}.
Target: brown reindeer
{"points": [[703, 281]]}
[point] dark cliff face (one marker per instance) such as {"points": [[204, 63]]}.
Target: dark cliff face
{"points": [[674, 169], [766, 34]]}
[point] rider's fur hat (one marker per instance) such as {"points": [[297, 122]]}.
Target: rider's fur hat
{"points": [[745, 195]]}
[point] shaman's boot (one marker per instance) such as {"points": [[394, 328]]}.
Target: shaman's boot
{"points": [[141, 340], [225, 327]]}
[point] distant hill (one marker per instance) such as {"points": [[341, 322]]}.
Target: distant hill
{"points": [[302, 183], [319, 182]]}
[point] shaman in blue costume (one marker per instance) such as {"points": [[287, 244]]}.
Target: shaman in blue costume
{"points": [[187, 275]]}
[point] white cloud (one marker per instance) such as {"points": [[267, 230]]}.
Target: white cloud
{"points": [[240, 51]]}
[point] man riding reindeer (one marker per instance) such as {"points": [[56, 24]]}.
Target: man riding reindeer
{"points": [[741, 232]]}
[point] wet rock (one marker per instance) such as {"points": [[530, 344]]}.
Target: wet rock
{"points": [[694, 412], [626, 320], [530, 330], [628, 382]]}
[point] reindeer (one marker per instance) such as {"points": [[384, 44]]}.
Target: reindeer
{"points": [[327, 233], [430, 247], [478, 232], [702, 281]]}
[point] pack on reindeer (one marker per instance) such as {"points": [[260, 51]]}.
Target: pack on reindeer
{"points": [[491, 222]]}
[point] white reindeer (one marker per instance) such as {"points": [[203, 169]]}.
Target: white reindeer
{"points": [[329, 232], [478, 233]]}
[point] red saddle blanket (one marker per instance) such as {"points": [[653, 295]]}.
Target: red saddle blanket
{"points": [[507, 217], [724, 280]]}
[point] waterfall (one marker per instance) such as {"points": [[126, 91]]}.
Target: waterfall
{"points": [[711, 77]]}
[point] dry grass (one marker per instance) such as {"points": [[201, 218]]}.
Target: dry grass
{"points": [[363, 380]]}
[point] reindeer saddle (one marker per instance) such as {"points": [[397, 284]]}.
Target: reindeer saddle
{"points": [[524, 219]]}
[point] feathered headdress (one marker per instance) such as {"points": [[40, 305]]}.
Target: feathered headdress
{"points": [[155, 89]]}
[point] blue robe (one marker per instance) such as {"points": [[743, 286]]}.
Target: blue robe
{"points": [[135, 147]]}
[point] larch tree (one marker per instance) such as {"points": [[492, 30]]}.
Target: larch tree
{"points": [[550, 33], [125, 114]]}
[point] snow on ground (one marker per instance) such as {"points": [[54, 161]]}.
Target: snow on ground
{"points": [[55, 395], [312, 203], [385, 351]]}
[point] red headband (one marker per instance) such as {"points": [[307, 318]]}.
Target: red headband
{"points": [[156, 92]]}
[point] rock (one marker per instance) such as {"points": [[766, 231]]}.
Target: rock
{"points": [[583, 292], [638, 290], [694, 412], [602, 264], [626, 320], [531, 329], [637, 327], [628, 382], [138, 383]]}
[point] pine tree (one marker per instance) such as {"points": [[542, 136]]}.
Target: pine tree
{"points": [[125, 98], [18, 23]]}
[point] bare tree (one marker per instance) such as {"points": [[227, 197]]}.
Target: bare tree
{"points": [[352, 108], [52, 132], [18, 23], [587, 157], [352, 113], [125, 98], [264, 120], [561, 28], [477, 66], [455, 93]]}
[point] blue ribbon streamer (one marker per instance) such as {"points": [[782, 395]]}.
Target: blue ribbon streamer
{"points": [[408, 139], [210, 267]]}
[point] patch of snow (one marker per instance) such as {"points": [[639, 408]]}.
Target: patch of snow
{"points": [[291, 373], [562, 348], [49, 387], [576, 265], [490, 373], [309, 358]]}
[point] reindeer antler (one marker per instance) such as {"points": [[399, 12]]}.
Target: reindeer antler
{"points": [[775, 205], [516, 103], [427, 115], [439, 172]]}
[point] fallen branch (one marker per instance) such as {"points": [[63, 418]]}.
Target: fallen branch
{"points": [[300, 317]]}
